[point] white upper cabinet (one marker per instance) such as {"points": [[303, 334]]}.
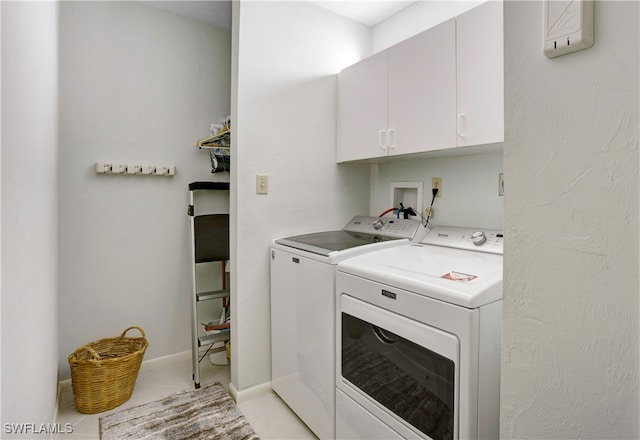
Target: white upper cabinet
{"points": [[480, 72], [438, 90], [422, 91], [362, 109], [400, 100]]}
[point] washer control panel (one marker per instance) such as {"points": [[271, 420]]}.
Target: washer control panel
{"points": [[481, 240], [387, 227]]}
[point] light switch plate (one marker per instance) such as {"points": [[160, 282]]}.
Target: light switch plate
{"points": [[262, 184]]}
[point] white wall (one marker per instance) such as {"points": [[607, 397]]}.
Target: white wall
{"points": [[469, 194], [29, 34], [0, 207], [137, 85], [288, 55], [570, 352]]}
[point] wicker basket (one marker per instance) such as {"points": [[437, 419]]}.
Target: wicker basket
{"points": [[104, 372]]}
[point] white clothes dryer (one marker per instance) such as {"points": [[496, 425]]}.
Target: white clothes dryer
{"points": [[303, 311], [418, 338]]}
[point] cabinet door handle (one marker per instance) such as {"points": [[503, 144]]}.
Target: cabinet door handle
{"points": [[460, 125], [381, 139], [391, 137]]}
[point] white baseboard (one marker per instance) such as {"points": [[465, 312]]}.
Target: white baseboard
{"points": [[168, 359], [57, 408], [250, 393]]}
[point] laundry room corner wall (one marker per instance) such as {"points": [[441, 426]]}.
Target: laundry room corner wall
{"points": [[138, 85], [29, 209], [288, 55], [571, 324]]}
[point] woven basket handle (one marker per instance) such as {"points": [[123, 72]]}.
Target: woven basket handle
{"points": [[132, 327], [93, 355]]}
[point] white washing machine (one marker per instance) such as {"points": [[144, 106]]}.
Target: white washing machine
{"points": [[303, 311], [418, 338]]}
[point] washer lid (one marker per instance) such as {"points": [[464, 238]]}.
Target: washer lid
{"points": [[326, 243], [361, 230], [466, 278]]}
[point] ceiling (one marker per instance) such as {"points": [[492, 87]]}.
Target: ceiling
{"points": [[367, 12], [218, 12]]}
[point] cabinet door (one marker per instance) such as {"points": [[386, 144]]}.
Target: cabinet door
{"points": [[480, 75], [422, 91], [362, 109]]}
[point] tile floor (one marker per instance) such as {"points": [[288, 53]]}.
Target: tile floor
{"points": [[267, 414]]}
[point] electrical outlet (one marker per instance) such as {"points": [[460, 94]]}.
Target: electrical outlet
{"points": [[262, 184], [501, 184], [436, 182]]}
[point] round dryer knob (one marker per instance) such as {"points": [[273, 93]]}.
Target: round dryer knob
{"points": [[377, 224], [478, 238]]}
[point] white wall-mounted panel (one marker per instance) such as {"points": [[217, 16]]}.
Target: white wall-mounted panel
{"points": [[568, 26]]}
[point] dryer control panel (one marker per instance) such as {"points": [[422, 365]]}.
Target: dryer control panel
{"points": [[480, 240], [384, 227]]}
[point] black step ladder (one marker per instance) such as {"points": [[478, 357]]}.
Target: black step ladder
{"points": [[209, 243]]}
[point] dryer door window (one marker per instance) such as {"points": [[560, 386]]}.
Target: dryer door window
{"points": [[408, 378]]}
